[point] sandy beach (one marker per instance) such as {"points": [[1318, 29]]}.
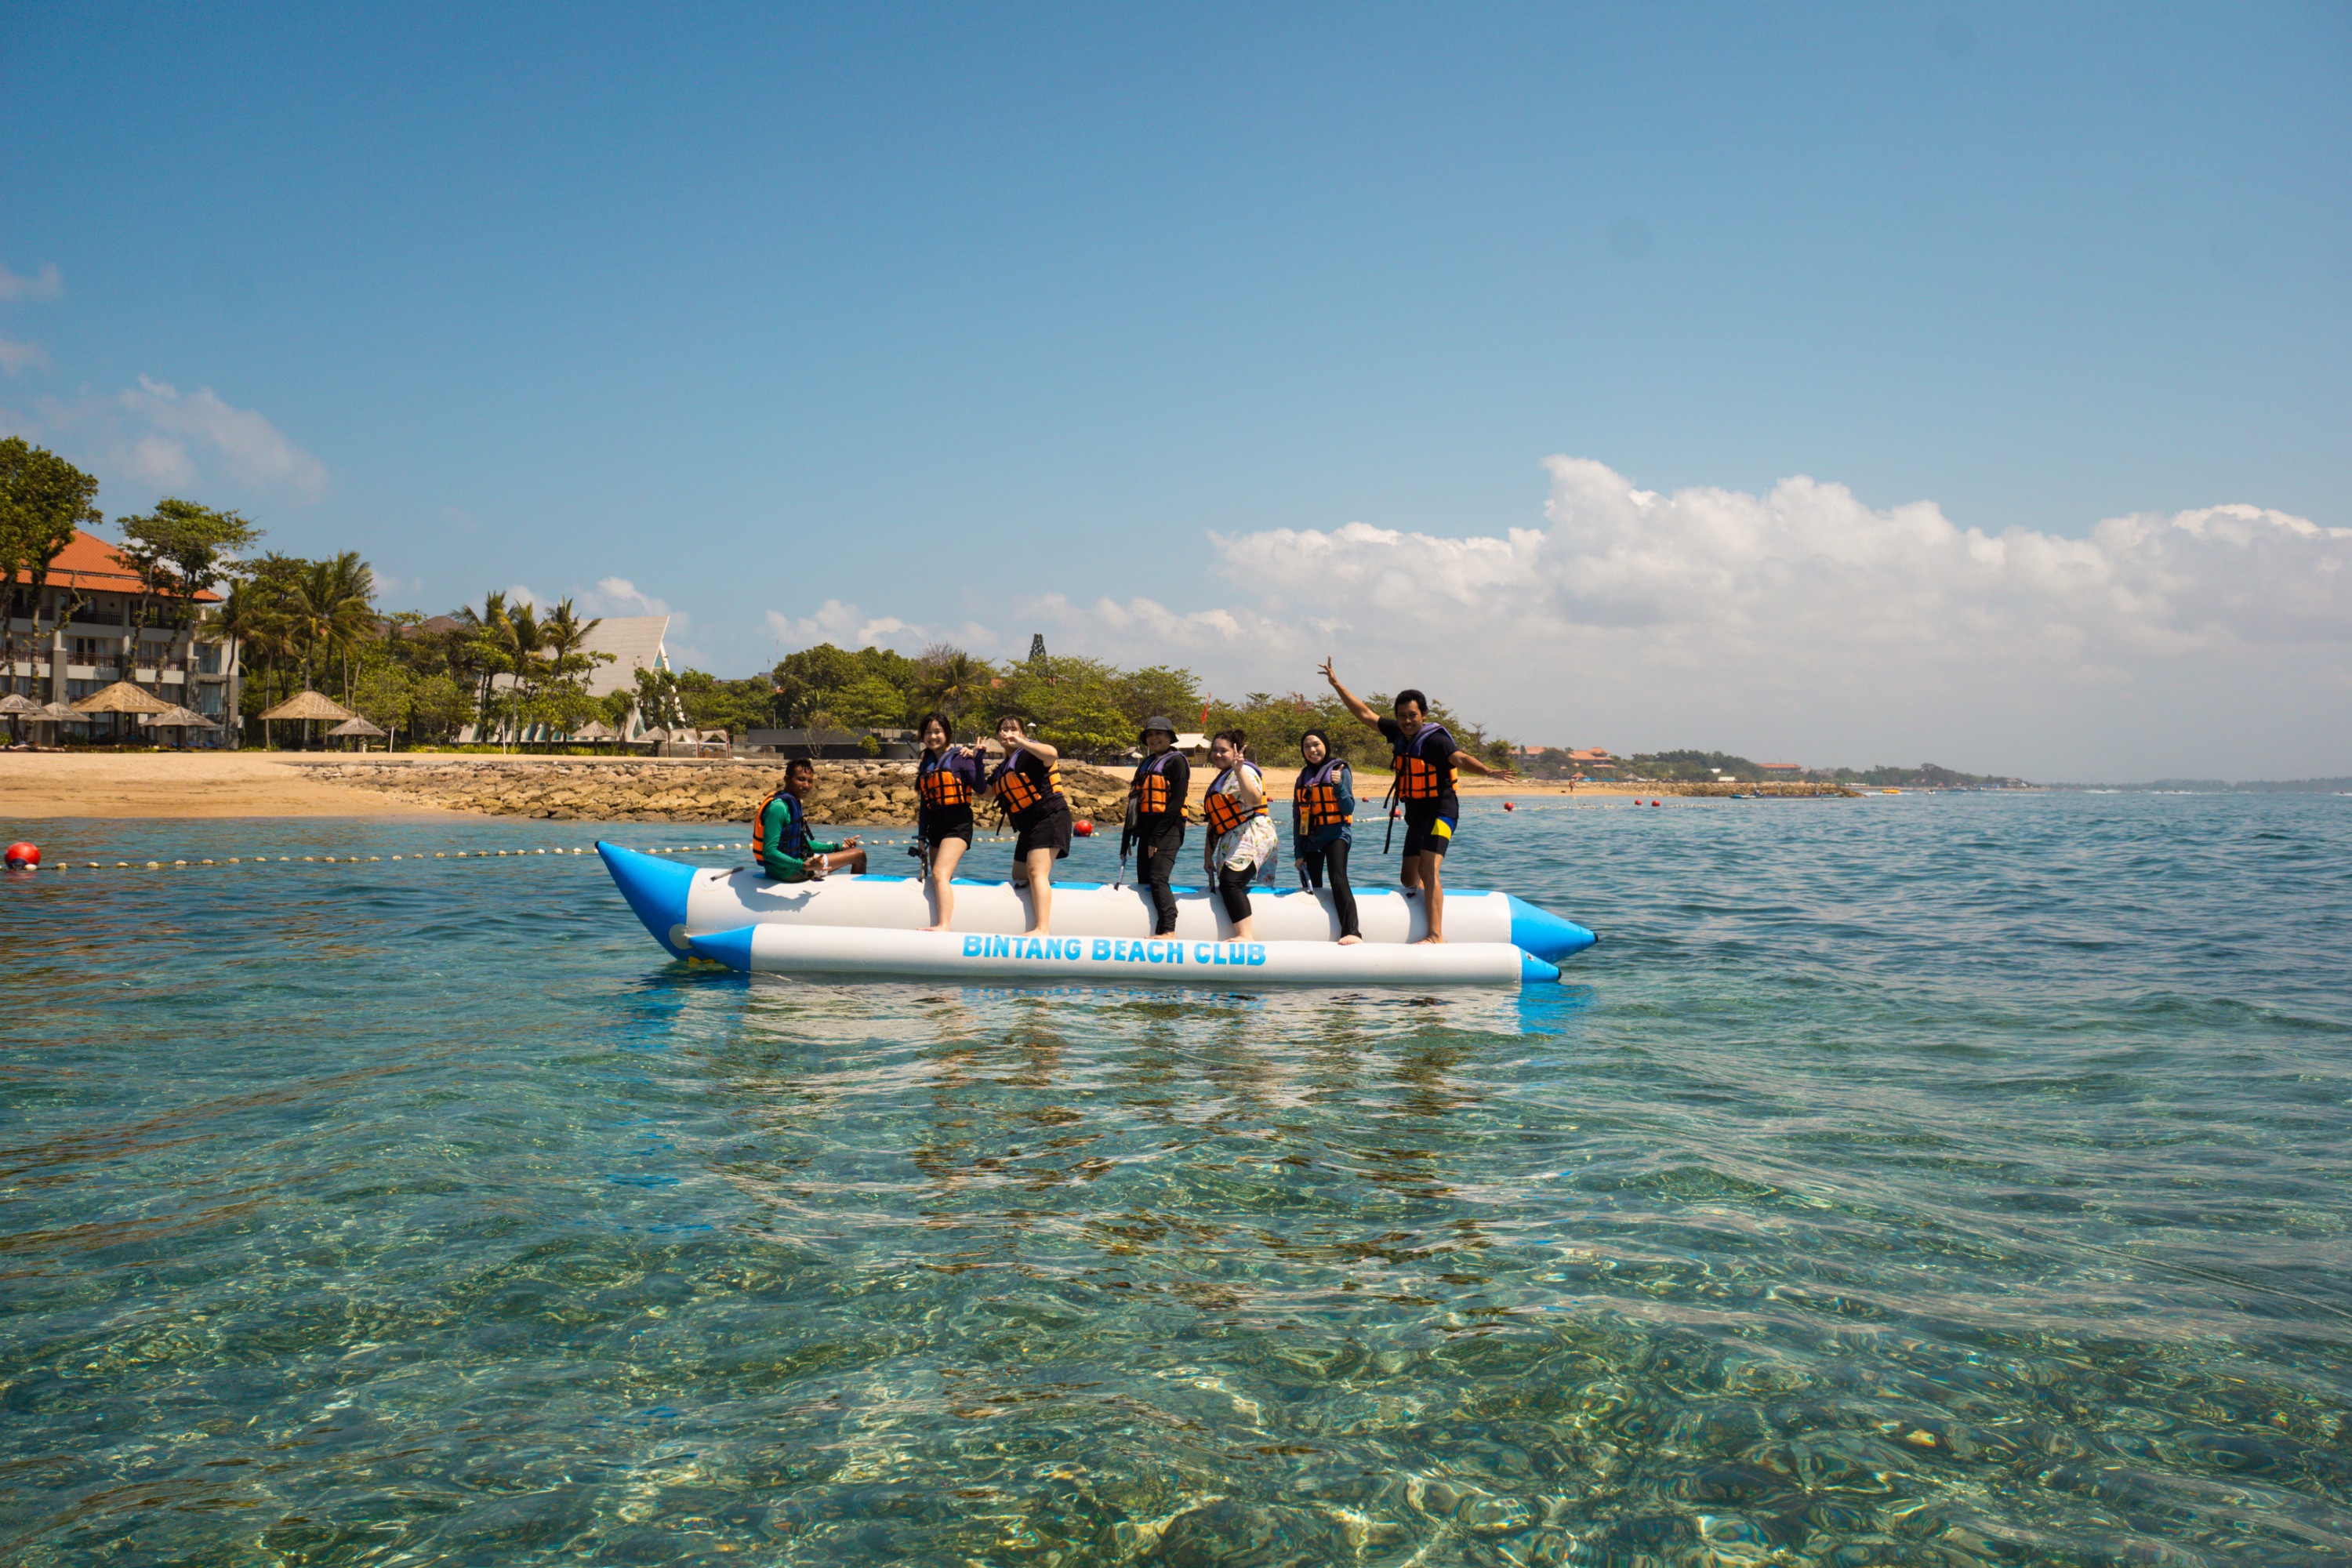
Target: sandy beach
{"points": [[175, 784]]}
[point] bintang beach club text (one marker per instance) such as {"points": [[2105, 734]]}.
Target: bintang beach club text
{"points": [[1109, 950]]}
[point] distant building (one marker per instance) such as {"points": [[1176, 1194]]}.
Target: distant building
{"points": [[61, 660], [634, 641], [1791, 768]]}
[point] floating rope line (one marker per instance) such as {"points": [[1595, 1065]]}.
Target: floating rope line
{"points": [[418, 855]]}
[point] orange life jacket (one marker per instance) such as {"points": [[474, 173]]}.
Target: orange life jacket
{"points": [[1226, 812], [794, 839], [1418, 778], [1018, 790], [943, 787], [1316, 797], [1152, 794]]}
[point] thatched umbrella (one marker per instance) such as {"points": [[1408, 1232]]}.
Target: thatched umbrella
{"points": [[118, 699], [355, 726], [308, 705], [651, 738], [181, 719], [14, 705], [593, 730]]}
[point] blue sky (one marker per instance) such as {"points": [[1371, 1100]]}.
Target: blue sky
{"points": [[970, 321]]}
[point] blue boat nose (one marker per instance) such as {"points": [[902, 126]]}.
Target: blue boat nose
{"points": [[1544, 933], [657, 890], [731, 948]]}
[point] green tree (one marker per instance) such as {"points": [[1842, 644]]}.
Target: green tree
{"points": [[43, 501], [189, 548], [1164, 690], [812, 682], [950, 682], [868, 702], [330, 606], [734, 706], [1071, 702]]}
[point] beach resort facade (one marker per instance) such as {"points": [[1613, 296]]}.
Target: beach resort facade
{"points": [[86, 635]]}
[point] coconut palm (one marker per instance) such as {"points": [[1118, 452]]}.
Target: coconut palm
{"points": [[951, 681]]}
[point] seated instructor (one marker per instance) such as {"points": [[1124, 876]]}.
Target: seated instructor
{"points": [[779, 834], [1155, 817], [1028, 785], [1424, 757]]}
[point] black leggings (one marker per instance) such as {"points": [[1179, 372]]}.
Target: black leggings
{"points": [[1153, 864], [1233, 888], [1332, 859]]}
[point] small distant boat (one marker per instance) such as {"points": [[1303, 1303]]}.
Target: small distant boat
{"points": [[1890, 792]]}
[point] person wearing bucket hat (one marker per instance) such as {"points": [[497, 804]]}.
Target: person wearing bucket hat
{"points": [[1155, 817]]}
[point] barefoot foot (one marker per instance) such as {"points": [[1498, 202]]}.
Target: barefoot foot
{"points": [[1350, 940]]}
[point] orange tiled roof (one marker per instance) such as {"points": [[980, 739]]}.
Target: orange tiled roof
{"points": [[91, 562]]}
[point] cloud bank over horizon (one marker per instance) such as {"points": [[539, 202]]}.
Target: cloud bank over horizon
{"points": [[1799, 624]]}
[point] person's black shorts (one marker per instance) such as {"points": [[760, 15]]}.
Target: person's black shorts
{"points": [[941, 835], [1051, 831], [1429, 826]]}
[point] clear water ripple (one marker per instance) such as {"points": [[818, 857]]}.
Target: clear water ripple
{"points": [[1941, 1180]]}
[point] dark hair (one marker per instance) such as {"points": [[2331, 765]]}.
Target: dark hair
{"points": [[1016, 718], [799, 763], [1412, 694], [928, 720], [1315, 735], [1240, 738]]}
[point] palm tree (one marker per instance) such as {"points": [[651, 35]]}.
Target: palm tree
{"points": [[247, 619], [484, 628], [329, 605], [561, 635], [950, 680]]}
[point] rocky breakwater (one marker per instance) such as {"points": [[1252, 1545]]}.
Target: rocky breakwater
{"points": [[590, 789]]}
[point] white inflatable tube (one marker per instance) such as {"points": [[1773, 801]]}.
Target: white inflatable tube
{"points": [[987, 958], [677, 902]]}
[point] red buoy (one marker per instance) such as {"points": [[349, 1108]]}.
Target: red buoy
{"points": [[1653, 802], [1508, 806], [1082, 828], [23, 857]]}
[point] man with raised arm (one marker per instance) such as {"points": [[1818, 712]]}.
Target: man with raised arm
{"points": [[1424, 757]]}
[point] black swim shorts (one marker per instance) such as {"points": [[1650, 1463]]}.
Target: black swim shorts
{"points": [[1429, 826], [1051, 831]]}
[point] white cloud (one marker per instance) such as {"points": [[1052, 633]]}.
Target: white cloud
{"points": [[619, 597], [15, 356], [1719, 572], [256, 451], [1802, 623], [1805, 619], [846, 625], [156, 434], [45, 284]]}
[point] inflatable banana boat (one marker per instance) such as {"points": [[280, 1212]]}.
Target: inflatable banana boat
{"points": [[870, 925]]}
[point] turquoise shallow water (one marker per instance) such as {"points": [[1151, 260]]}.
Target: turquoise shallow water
{"points": [[1933, 1180]]}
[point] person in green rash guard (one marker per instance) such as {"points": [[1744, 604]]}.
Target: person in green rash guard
{"points": [[782, 837]]}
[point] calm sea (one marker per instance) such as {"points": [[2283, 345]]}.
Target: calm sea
{"points": [[1925, 1179]]}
